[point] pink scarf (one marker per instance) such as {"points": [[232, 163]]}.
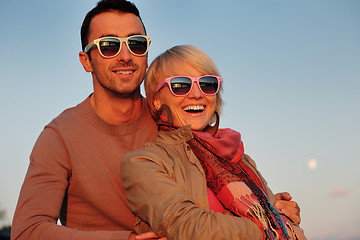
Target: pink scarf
{"points": [[233, 182]]}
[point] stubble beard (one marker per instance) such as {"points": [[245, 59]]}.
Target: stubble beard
{"points": [[118, 88], [116, 91]]}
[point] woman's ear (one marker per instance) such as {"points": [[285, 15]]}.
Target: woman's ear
{"points": [[156, 103], [85, 61]]}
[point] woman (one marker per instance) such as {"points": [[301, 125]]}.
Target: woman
{"points": [[192, 167]]}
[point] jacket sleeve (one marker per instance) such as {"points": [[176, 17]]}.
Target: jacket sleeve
{"points": [[42, 195], [156, 198]]}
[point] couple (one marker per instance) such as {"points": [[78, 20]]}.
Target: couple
{"points": [[74, 170]]}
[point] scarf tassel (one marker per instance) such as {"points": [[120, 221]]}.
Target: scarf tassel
{"points": [[257, 212]]}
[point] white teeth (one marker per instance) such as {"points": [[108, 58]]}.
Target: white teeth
{"points": [[124, 72], [194, 108]]}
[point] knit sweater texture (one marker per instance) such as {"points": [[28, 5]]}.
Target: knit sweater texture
{"points": [[74, 176]]}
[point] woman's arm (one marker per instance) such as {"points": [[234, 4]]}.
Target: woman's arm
{"points": [[161, 202]]}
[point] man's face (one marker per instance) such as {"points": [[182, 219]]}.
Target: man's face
{"points": [[124, 73]]}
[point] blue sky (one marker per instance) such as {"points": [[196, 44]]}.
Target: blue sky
{"points": [[291, 75]]}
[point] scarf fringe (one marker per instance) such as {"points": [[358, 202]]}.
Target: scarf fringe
{"points": [[257, 212], [292, 230]]}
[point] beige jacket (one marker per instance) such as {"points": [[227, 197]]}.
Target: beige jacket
{"points": [[166, 188]]}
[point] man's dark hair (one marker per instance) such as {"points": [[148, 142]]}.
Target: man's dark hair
{"points": [[106, 6]]}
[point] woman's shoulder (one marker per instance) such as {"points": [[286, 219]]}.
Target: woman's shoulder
{"points": [[150, 155], [155, 149], [162, 150], [148, 149]]}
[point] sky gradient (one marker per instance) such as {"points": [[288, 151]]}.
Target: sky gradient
{"points": [[291, 77]]}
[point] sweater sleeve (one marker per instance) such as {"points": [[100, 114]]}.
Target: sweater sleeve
{"points": [[42, 195], [158, 200]]}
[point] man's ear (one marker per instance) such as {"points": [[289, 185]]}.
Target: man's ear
{"points": [[85, 61]]}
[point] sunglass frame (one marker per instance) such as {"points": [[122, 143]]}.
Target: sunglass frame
{"points": [[121, 40]]}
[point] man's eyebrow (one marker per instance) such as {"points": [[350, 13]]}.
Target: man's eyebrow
{"points": [[133, 34], [107, 35]]}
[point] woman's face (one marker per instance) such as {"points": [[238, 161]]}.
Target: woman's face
{"points": [[193, 109]]}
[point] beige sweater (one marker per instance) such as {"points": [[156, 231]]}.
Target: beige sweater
{"points": [[74, 175]]}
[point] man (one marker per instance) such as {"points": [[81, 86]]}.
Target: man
{"points": [[74, 170]]}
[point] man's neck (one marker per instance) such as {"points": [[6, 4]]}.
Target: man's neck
{"points": [[117, 109]]}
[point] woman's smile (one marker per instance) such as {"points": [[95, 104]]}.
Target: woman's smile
{"points": [[194, 108]]}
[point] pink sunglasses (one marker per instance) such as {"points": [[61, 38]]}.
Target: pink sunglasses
{"points": [[182, 85]]}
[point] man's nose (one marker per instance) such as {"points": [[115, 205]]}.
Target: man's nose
{"points": [[124, 54]]}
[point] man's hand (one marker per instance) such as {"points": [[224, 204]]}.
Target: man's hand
{"points": [[299, 233], [289, 208], [145, 236]]}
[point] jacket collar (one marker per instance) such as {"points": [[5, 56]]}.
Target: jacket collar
{"points": [[181, 134]]}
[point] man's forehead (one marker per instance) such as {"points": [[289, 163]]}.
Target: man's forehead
{"points": [[115, 23]]}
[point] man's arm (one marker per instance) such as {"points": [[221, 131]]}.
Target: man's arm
{"points": [[145, 236], [43, 192]]}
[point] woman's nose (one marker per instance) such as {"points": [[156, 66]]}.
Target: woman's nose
{"points": [[195, 91]]}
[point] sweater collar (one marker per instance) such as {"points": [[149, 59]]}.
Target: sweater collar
{"points": [[114, 129]]}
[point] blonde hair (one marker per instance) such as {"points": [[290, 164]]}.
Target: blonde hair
{"points": [[165, 65]]}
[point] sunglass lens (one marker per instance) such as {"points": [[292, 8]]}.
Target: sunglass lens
{"points": [[209, 84], [109, 46], [180, 85], [138, 45]]}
